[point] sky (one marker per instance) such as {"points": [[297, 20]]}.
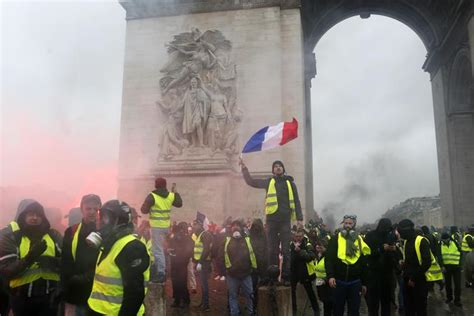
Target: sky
{"points": [[61, 88], [373, 124]]}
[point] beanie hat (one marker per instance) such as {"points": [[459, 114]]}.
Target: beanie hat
{"points": [[279, 163], [406, 224], [160, 183]]}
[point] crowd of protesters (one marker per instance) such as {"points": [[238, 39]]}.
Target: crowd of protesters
{"points": [[107, 260]]}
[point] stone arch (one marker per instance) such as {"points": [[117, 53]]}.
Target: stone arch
{"points": [[320, 16], [460, 90]]}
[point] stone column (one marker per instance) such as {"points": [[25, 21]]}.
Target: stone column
{"points": [[309, 74], [453, 101]]}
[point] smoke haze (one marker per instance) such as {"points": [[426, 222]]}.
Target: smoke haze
{"points": [[373, 124], [62, 68], [61, 95]]}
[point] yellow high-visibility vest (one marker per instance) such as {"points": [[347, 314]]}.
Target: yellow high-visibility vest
{"points": [[434, 272], [271, 201], [14, 226], [450, 254], [199, 247], [107, 290], [321, 269], [465, 246], [161, 210], [34, 272], [74, 241], [253, 260], [341, 249]]}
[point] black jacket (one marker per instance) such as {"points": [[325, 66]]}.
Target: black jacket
{"points": [[337, 269], [381, 263], [299, 270], [412, 269], [239, 256], [77, 275], [283, 213], [260, 247], [181, 248], [163, 192]]}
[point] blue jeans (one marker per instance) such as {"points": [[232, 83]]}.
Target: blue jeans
{"points": [[233, 285], [347, 292], [158, 270], [204, 278], [401, 300]]}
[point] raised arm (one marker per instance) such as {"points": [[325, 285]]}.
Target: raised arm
{"points": [[255, 183]]}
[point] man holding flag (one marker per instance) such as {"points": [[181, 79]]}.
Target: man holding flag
{"points": [[282, 204]]}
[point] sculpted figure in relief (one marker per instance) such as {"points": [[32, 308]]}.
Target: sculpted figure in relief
{"points": [[199, 86]]}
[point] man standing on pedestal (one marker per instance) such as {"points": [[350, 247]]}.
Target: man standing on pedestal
{"points": [[282, 204], [158, 204]]}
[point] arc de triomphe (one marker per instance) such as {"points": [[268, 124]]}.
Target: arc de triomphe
{"points": [[201, 76]]}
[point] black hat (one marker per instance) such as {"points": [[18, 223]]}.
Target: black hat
{"points": [[406, 224], [279, 163]]}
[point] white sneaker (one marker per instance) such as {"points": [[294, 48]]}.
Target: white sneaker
{"points": [[217, 278], [222, 278]]}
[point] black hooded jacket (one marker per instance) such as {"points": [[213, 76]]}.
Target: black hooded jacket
{"points": [[283, 213], [259, 245], [11, 266], [381, 262]]}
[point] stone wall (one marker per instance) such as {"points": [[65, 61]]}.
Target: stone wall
{"points": [[267, 51]]}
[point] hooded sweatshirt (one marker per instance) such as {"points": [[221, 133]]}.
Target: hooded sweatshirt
{"points": [[381, 262], [12, 266]]}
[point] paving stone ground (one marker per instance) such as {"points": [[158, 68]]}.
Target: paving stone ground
{"points": [[218, 303]]}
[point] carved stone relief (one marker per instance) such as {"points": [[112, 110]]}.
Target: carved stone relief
{"points": [[198, 97]]}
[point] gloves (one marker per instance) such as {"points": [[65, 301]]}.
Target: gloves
{"points": [[79, 280], [50, 263], [198, 267], [36, 250]]}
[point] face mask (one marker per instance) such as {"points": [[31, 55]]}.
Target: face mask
{"points": [[236, 234], [94, 239], [348, 228], [107, 225], [348, 232]]}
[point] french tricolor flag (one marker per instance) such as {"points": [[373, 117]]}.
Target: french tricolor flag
{"points": [[272, 136]]}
